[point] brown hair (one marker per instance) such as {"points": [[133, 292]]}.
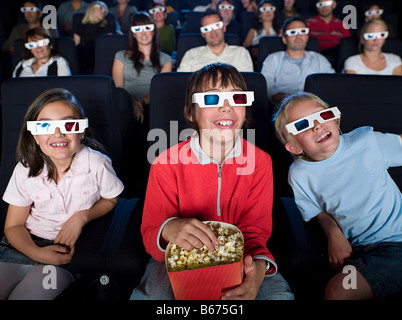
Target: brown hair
{"points": [[28, 152], [222, 73], [38, 33]]}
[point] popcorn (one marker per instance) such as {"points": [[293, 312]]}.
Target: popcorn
{"points": [[229, 250]]}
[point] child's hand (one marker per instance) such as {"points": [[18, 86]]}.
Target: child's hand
{"points": [[339, 251], [55, 255], [255, 272], [70, 231], [189, 234]]}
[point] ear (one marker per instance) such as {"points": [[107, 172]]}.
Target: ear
{"points": [[224, 28], [292, 148], [189, 115], [284, 40]]}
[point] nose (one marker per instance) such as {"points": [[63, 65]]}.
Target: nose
{"points": [[317, 125], [58, 132], [226, 106]]}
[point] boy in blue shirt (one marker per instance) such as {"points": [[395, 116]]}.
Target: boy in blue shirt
{"points": [[342, 179]]}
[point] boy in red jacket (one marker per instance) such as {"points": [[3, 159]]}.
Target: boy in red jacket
{"points": [[215, 175]]}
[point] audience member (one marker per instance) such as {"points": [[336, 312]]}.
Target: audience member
{"points": [[372, 60], [265, 23], [65, 13], [209, 6], [327, 29], [56, 158], [40, 57], [375, 10], [227, 10], [286, 71], [216, 50], [32, 10], [249, 5], [132, 74], [342, 180], [167, 32], [93, 24], [122, 11], [189, 190], [289, 9]]}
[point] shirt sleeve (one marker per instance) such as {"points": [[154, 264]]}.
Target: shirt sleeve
{"points": [[390, 148], [268, 71], [185, 63], [63, 68], [16, 193]]}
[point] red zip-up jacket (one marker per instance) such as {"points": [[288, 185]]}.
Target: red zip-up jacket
{"points": [[239, 192]]}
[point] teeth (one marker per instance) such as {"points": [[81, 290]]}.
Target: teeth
{"points": [[323, 136], [225, 123], [61, 144]]}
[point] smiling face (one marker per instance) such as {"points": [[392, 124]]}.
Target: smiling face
{"points": [[214, 37], [219, 125], [60, 148], [144, 38], [40, 53], [317, 143]]}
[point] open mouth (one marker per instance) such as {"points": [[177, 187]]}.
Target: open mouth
{"points": [[59, 144], [325, 136], [224, 123]]}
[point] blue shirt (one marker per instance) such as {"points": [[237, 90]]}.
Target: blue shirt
{"points": [[354, 186], [283, 74]]}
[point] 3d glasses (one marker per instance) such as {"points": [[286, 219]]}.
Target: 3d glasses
{"points": [[370, 13], [35, 44], [226, 6], [294, 32], [155, 10], [146, 27], [375, 35], [29, 9], [267, 8], [213, 26], [324, 4], [100, 7], [65, 126], [217, 99], [322, 116]]}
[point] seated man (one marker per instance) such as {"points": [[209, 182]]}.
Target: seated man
{"points": [[286, 71], [327, 29], [216, 50]]}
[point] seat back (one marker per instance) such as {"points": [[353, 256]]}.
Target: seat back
{"points": [[168, 92], [187, 41], [64, 45], [364, 100], [106, 46], [193, 22], [95, 93], [268, 45]]}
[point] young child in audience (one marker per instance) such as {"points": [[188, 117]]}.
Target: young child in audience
{"points": [[342, 179], [218, 176], [59, 185]]}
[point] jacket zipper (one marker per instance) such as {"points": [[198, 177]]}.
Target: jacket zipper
{"points": [[219, 190]]}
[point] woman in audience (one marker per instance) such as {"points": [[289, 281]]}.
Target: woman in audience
{"points": [[372, 60], [132, 72], [375, 10], [289, 9], [167, 32], [122, 12], [93, 24], [265, 23], [40, 57]]}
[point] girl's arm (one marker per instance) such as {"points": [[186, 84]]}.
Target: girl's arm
{"points": [[167, 67], [72, 228], [397, 71], [77, 39], [249, 38], [339, 248], [19, 237], [118, 73]]}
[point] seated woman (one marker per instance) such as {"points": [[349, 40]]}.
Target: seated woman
{"points": [[40, 58], [132, 72], [93, 24], [265, 23], [122, 12], [167, 32], [372, 60]]}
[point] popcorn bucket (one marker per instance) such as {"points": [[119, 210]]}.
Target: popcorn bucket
{"points": [[206, 283]]}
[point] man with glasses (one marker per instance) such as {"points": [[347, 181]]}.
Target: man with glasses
{"points": [[286, 71], [216, 49], [327, 29], [32, 11]]}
